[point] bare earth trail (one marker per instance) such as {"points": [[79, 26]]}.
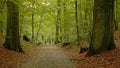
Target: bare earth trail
{"points": [[48, 57]]}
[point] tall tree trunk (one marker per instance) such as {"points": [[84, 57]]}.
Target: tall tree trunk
{"points": [[102, 33], [58, 24], [116, 18], [64, 11], [90, 18], [33, 36], [57, 34], [33, 26], [76, 19], [12, 40], [38, 28], [59, 19]]}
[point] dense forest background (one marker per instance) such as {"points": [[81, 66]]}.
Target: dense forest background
{"points": [[40, 20], [56, 21], [88, 27]]}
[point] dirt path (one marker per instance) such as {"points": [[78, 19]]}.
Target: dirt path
{"points": [[48, 57]]}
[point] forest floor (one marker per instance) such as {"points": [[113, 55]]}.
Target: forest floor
{"points": [[46, 56], [109, 59], [10, 58]]}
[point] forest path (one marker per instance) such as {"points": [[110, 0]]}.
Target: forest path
{"points": [[48, 57]]}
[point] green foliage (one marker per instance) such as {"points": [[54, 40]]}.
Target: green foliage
{"points": [[46, 26], [45, 15]]}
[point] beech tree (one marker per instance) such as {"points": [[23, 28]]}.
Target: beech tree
{"points": [[102, 33], [58, 24], [12, 40], [77, 23]]}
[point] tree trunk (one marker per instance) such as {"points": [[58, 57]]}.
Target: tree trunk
{"points": [[102, 33], [33, 36], [12, 33], [116, 18], [57, 39], [76, 19], [65, 29], [33, 26], [58, 24], [37, 34]]}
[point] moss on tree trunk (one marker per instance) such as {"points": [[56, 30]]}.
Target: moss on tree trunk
{"points": [[102, 33], [12, 33]]}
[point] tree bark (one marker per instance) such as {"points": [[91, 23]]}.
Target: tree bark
{"points": [[12, 40], [102, 33], [58, 24], [116, 18], [65, 29], [33, 36], [33, 26], [37, 34], [77, 23]]}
